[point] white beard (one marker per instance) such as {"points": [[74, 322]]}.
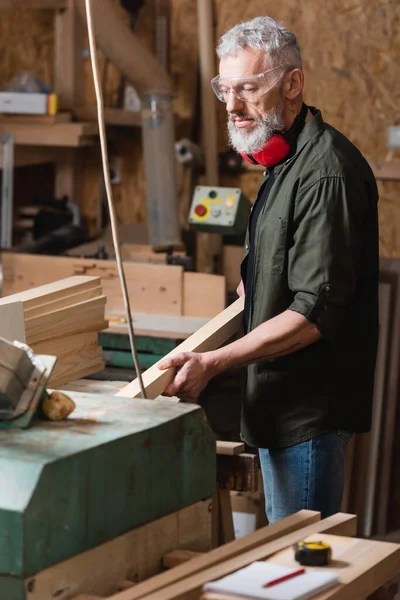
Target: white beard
{"points": [[255, 140]]}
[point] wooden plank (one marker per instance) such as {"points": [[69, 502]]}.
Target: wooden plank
{"points": [[365, 565], [49, 292], [238, 473], [152, 289], [210, 336], [230, 448], [389, 273], [204, 295], [178, 557], [112, 116], [231, 261], [62, 117], [68, 300], [218, 555], [54, 4], [12, 325], [59, 134], [187, 580], [136, 554], [225, 521]]}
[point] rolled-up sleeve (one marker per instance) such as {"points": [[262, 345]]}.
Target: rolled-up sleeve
{"points": [[323, 260]]}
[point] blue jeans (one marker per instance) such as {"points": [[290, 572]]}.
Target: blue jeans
{"points": [[308, 475]]}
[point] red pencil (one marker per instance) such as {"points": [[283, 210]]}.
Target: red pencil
{"points": [[284, 578]]}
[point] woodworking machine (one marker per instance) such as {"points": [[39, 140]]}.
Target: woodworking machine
{"points": [[70, 486]]}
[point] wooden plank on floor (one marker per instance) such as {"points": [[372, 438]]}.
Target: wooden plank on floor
{"points": [[217, 331]]}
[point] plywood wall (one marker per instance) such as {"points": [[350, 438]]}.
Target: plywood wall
{"points": [[351, 54]]}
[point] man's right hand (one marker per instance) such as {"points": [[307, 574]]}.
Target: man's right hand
{"points": [[240, 289]]}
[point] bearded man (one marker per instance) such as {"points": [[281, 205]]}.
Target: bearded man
{"points": [[309, 276]]}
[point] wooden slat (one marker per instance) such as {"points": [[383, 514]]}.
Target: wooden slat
{"points": [[204, 295], [211, 336], [55, 4], [49, 292], [231, 261], [62, 117], [152, 289], [188, 579], [230, 448], [59, 134], [67, 300]]}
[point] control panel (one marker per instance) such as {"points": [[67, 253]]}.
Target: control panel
{"points": [[222, 210]]}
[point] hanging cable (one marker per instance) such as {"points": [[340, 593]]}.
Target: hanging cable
{"points": [[107, 180]]}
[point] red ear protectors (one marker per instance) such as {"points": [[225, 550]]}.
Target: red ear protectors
{"points": [[275, 150], [279, 145]]}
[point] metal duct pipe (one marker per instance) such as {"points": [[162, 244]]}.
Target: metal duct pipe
{"points": [[154, 86]]}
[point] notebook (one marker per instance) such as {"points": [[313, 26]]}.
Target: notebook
{"points": [[249, 582]]}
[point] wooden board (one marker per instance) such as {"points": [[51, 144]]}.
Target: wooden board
{"points": [[362, 565], [12, 325], [203, 295], [190, 585], [152, 288], [211, 336], [230, 448], [58, 290], [135, 555], [216, 556], [389, 273], [62, 117], [59, 134], [67, 300], [231, 260]]}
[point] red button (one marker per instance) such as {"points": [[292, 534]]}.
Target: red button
{"points": [[200, 210]]}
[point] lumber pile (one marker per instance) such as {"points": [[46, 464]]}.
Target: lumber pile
{"points": [[154, 289], [63, 319]]}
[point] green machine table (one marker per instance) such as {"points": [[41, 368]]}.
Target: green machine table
{"points": [[69, 488]]}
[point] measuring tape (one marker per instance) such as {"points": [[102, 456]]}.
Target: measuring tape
{"points": [[313, 553]]}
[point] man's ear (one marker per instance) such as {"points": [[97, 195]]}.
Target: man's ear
{"points": [[293, 84]]}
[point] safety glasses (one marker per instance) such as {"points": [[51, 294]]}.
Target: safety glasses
{"points": [[247, 89]]}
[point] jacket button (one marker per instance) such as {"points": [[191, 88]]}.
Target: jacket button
{"points": [[247, 246], [327, 289]]}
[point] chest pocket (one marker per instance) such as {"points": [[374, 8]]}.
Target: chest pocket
{"points": [[275, 243]]}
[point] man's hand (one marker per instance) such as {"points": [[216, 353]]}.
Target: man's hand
{"points": [[192, 375], [240, 289]]}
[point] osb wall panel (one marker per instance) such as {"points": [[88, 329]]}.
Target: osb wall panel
{"points": [[351, 57], [351, 53]]}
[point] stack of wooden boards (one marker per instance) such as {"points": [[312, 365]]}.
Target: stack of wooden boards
{"points": [[63, 319], [153, 288]]}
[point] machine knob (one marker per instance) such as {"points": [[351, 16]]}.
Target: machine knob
{"points": [[200, 210]]}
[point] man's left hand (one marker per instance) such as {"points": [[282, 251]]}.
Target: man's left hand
{"points": [[193, 373]]}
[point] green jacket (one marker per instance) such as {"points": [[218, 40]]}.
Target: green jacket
{"points": [[316, 253]]}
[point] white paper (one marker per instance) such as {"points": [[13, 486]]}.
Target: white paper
{"points": [[249, 582]]}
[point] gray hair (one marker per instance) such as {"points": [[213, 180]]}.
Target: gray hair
{"points": [[262, 33]]}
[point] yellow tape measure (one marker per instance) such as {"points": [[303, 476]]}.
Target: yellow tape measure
{"points": [[313, 553]]}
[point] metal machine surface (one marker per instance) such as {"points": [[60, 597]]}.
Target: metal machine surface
{"points": [[70, 486]]}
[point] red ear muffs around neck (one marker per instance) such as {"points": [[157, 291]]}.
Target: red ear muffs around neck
{"points": [[280, 144], [275, 150]]}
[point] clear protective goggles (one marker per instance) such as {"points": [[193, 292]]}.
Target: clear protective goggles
{"points": [[247, 89]]}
